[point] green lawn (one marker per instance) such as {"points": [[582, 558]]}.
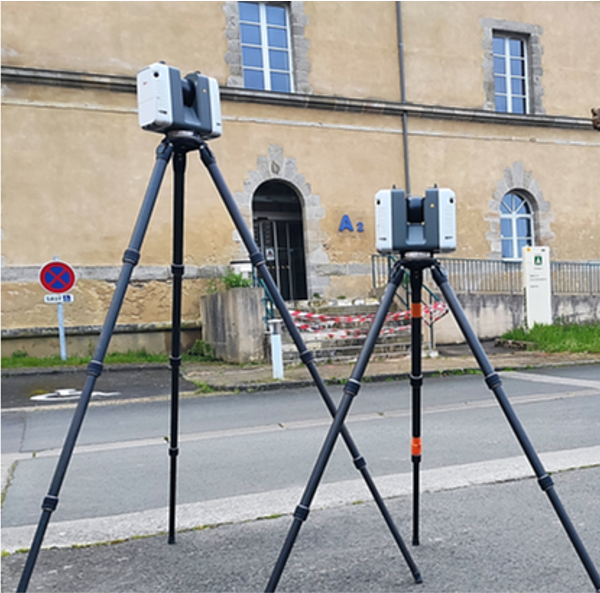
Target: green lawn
{"points": [[559, 337], [20, 360], [199, 352]]}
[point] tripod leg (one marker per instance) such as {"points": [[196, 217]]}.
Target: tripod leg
{"points": [[350, 391], [494, 383], [130, 259], [416, 381], [177, 269], [306, 356]]}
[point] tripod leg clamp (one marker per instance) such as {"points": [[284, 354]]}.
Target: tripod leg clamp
{"points": [[301, 512], [173, 451], [94, 368], [49, 503], [175, 361], [352, 387], [359, 462], [131, 256], [416, 381], [306, 357], [545, 482], [177, 269], [257, 259], [493, 381]]}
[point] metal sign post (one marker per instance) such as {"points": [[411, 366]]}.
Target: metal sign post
{"points": [[58, 277]]}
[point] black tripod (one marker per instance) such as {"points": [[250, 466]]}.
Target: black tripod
{"points": [[176, 145], [416, 265], [179, 144]]}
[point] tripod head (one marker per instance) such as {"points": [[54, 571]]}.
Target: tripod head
{"points": [[167, 102]]}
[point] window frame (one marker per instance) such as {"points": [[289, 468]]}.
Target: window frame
{"points": [[532, 35], [267, 70], [508, 75], [513, 216]]}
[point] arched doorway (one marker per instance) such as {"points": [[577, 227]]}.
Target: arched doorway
{"points": [[279, 234]]}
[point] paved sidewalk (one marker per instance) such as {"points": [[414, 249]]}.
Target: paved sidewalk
{"points": [[501, 537], [447, 359]]}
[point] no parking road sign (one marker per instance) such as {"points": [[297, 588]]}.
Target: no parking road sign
{"points": [[57, 277]]}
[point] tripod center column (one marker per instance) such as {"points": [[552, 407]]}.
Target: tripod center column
{"points": [[416, 381]]}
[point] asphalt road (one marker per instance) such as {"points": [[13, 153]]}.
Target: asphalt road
{"points": [[249, 455], [31, 389]]}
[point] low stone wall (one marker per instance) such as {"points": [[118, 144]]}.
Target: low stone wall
{"points": [[576, 308], [491, 315], [232, 323], [154, 338]]}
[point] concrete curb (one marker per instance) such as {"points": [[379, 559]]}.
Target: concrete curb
{"points": [[250, 507], [375, 378]]}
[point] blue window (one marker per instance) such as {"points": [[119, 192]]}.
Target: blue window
{"points": [[510, 74], [516, 226], [266, 52]]}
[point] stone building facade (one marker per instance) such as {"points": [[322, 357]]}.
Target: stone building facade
{"points": [[491, 99]]}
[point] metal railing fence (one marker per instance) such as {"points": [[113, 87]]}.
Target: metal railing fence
{"points": [[575, 277], [487, 276], [500, 277]]}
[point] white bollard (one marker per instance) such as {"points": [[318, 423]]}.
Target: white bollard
{"points": [[276, 352]]}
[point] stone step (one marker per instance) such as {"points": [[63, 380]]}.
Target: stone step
{"points": [[334, 320], [340, 336], [349, 350], [317, 341]]}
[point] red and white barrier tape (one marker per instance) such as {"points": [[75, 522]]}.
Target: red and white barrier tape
{"points": [[316, 322]]}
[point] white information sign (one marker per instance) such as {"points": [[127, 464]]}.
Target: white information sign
{"points": [[55, 299], [538, 285]]}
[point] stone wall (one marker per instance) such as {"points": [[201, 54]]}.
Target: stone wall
{"points": [[232, 323], [81, 340], [491, 315]]}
